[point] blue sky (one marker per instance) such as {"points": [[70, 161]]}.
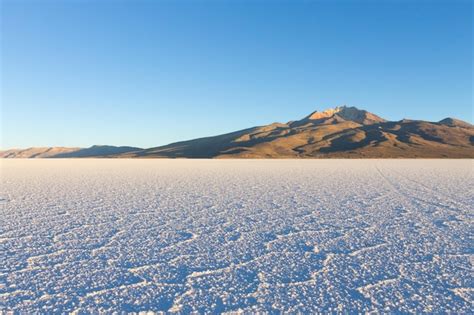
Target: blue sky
{"points": [[147, 73]]}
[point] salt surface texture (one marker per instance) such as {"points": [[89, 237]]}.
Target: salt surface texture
{"points": [[228, 235]]}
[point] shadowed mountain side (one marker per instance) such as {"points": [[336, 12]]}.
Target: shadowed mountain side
{"points": [[98, 151], [207, 147]]}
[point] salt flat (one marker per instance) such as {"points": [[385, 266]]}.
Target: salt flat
{"points": [[228, 235]]}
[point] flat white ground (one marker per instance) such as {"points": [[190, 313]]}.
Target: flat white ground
{"points": [[224, 235]]}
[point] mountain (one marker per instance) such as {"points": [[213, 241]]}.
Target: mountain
{"points": [[341, 132], [62, 152]]}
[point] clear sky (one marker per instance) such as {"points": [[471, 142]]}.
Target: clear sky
{"points": [[147, 73]]}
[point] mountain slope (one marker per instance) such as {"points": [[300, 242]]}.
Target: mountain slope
{"points": [[345, 132], [98, 151]]}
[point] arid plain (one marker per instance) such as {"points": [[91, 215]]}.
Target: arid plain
{"points": [[91, 235]]}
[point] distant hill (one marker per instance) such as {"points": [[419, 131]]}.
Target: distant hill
{"points": [[341, 132], [62, 152], [39, 152]]}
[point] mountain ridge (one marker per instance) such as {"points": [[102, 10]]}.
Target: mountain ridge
{"points": [[67, 152], [340, 132]]}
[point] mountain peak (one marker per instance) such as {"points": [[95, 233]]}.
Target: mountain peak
{"points": [[325, 113], [347, 113], [453, 122]]}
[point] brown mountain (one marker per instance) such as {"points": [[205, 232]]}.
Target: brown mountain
{"points": [[342, 132], [345, 132]]}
